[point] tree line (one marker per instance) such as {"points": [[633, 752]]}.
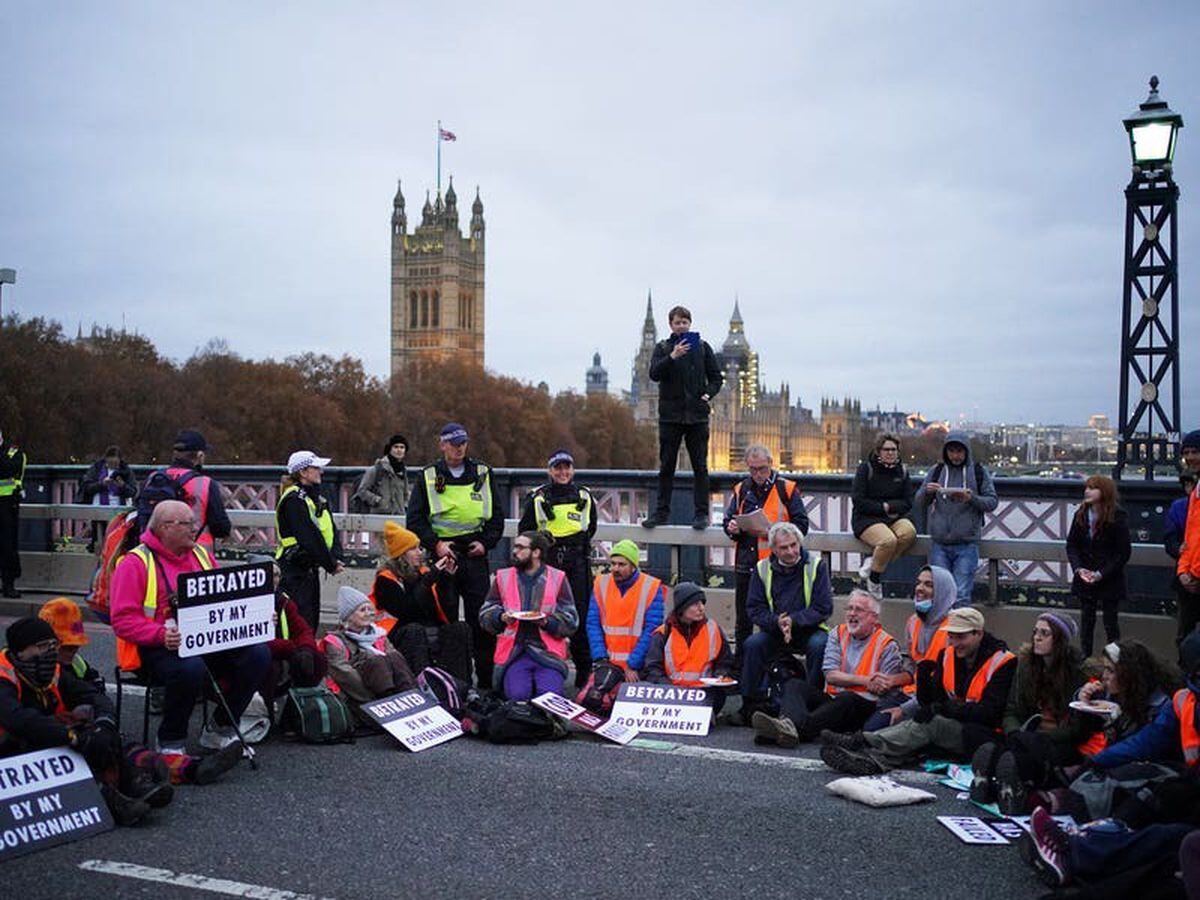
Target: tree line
{"points": [[66, 399]]}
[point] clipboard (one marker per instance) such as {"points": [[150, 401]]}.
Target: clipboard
{"points": [[753, 522]]}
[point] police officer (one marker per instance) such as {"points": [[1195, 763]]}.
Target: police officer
{"points": [[12, 477], [454, 509], [307, 539], [568, 512]]}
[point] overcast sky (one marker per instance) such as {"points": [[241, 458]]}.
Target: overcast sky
{"points": [[917, 204]]}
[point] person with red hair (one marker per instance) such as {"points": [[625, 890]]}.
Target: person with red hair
{"points": [[1098, 547]]}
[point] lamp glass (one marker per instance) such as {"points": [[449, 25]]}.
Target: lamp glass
{"points": [[1152, 142]]}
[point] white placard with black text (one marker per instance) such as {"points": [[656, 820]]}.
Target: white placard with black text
{"points": [[48, 797], [221, 609], [662, 709], [414, 720]]}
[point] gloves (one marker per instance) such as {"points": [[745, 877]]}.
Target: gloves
{"points": [[924, 714], [927, 687]]}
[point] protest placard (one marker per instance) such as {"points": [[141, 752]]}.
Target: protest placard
{"points": [[48, 797], [662, 709], [414, 720], [558, 705], [971, 830], [221, 609]]}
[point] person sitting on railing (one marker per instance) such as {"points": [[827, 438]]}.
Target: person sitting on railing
{"points": [[955, 495], [143, 618], [627, 606], [780, 501], [147, 770], [418, 607], [1098, 547], [933, 597], [689, 647], [882, 497], [960, 699], [1187, 567], [790, 600], [858, 663], [363, 664], [568, 511], [531, 609], [307, 540]]}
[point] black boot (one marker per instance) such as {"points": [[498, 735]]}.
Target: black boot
{"points": [[10, 592], [213, 766], [141, 785], [125, 810]]}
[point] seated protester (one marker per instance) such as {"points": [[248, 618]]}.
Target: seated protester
{"points": [[627, 606], [143, 617], [532, 612], [296, 660], [363, 664], [1187, 599], [959, 700], [1041, 734], [418, 606], [689, 646], [858, 662], [925, 632], [44, 705], [789, 600], [65, 617]]}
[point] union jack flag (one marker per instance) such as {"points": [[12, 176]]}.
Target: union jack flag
{"points": [[446, 135]]}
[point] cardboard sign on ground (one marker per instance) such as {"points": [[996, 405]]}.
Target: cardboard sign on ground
{"points": [[662, 709], [221, 609], [414, 720], [48, 797], [558, 705]]}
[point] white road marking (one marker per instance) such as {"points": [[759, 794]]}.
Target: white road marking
{"points": [[184, 879], [759, 759]]}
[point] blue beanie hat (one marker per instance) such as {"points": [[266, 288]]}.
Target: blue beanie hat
{"points": [[1191, 439]]}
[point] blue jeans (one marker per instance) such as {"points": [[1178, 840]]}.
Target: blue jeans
{"points": [[763, 647], [961, 561], [239, 672]]}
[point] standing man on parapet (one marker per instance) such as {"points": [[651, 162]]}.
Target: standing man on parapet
{"points": [[686, 370], [455, 511]]}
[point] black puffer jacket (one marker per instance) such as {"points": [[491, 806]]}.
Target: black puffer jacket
{"points": [[682, 382], [874, 485], [1107, 552]]}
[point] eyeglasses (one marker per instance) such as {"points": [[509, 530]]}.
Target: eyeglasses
{"points": [[766, 468], [1043, 632], [46, 646]]}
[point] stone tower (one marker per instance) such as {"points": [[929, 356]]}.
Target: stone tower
{"points": [[643, 393], [597, 377], [437, 283]]}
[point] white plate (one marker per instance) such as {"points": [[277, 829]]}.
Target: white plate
{"points": [[719, 682], [528, 616], [1104, 708]]}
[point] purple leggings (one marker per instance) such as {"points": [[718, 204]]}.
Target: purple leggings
{"points": [[525, 679]]}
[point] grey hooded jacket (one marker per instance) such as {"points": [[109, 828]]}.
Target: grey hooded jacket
{"points": [[950, 521]]}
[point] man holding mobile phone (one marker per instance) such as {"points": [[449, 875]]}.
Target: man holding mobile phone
{"points": [[688, 376]]}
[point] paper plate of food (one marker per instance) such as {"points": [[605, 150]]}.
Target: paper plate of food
{"points": [[528, 615], [1105, 708], [723, 681]]}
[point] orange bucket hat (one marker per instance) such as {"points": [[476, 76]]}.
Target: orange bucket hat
{"points": [[66, 619]]}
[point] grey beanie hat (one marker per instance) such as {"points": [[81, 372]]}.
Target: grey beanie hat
{"points": [[687, 593], [349, 599]]}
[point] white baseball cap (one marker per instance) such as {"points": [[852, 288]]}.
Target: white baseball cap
{"points": [[302, 459]]}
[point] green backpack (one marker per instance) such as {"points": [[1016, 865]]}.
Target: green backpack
{"points": [[316, 715]]}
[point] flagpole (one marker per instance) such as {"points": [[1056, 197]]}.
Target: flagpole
{"points": [[439, 158]]}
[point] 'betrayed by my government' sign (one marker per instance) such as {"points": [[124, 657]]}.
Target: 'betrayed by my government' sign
{"points": [[226, 608], [414, 720], [662, 709], [47, 797]]}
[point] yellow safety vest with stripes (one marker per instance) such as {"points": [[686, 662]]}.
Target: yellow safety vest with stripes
{"points": [[323, 520], [459, 509], [563, 519], [810, 575], [10, 486]]}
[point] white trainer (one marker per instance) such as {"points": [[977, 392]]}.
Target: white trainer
{"points": [[217, 738]]}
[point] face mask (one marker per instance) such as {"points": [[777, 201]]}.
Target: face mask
{"points": [[39, 670], [922, 606]]}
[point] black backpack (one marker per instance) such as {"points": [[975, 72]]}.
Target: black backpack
{"points": [[444, 689], [159, 486], [510, 721]]}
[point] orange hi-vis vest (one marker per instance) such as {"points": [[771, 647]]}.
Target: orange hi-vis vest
{"points": [[386, 620], [774, 508], [624, 616], [932, 652], [128, 656], [1189, 556], [982, 675], [868, 663], [8, 672], [1095, 742], [1189, 736], [685, 663], [510, 595]]}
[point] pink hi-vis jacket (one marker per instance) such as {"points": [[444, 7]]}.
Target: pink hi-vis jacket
{"points": [[128, 591], [510, 596]]}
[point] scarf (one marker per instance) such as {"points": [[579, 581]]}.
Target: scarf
{"points": [[366, 639]]}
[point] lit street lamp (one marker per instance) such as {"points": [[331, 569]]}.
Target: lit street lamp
{"points": [[1148, 428]]}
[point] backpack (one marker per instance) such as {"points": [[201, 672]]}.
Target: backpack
{"points": [[510, 721], [119, 539], [316, 715], [358, 503], [444, 689], [159, 486], [600, 691], [783, 669]]}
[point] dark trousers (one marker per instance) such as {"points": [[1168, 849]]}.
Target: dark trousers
{"points": [[10, 559], [695, 436], [1119, 862], [1187, 610], [573, 559], [743, 627], [239, 672], [1087, 619], [445, 646], [302, 584], [471, 583], [1038, 758], [764, 647], [812, 710]]}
